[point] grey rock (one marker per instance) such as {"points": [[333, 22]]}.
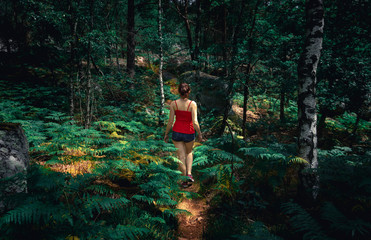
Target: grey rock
{"points": [[208, 91], [14, 159]]}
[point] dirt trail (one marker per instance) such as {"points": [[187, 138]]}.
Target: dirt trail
{"points": [[191, 227]]}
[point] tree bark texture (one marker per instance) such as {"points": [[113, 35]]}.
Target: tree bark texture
{"points": [[307, 68], [130, 61], [160, 121]]}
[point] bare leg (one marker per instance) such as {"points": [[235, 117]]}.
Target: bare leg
{"points": [[189, 156], [181, 153]]}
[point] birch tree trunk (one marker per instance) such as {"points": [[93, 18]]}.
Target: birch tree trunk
{"points": [[307, 116], [160, 122]]}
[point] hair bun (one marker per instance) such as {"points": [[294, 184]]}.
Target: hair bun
{"points": [[184, 89]]}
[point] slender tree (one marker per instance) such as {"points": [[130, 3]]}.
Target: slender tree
{"points": [[249, 69], [130, 64], [185, 17], [307, 68], [161, 63], [73, 62], [89, 92]]}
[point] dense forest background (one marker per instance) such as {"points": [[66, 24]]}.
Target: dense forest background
{"points": [[91, 81]]}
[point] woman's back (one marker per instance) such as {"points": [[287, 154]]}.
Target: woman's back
{"points": [[182, 105], [183, 122]]}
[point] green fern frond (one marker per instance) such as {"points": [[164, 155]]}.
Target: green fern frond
{"points": [[174, 212], [132, 126], [32, 212], [253, 151], [340, 223], [143, 198], [297, 160], [101, 189], [276, 157], [99, 203], [125, 232], [303, 222]]}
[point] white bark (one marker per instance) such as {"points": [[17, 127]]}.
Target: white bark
{"points": [[307, 68], [161, 62]]}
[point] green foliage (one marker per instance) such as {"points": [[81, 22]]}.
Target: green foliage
{"points": [[354, 228], [128, 189], [256, 231], [303, 222], [92, 203]]}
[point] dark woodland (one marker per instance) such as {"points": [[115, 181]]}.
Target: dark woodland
{"points": [[283, 93]]}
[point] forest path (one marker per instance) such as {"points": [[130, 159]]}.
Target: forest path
{"points": [[191, 227]]}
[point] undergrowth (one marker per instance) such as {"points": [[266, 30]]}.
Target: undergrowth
{"points": [[117, 180]]}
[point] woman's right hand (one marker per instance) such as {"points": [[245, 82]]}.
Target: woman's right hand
{"points": [[199, 138]]}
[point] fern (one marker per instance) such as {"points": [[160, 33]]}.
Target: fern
{"points": [[125, 232], [340, 223], [132, 126], [100, 203], [143, 198], [31, 212], [303, 222], [256, 231]]}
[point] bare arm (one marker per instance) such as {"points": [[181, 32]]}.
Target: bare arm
{"points": [[195, 120], [170, 122]]}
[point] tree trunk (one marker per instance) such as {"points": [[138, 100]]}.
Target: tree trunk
{"points": [[197, 38], [307, 116], [197, 43], [117, 57], [224, 40], [130, 62], [232, 67], [248, 72], [73, 61], [89, 77], [356, 124], [160, 120], [245, 97], [282, 105], [184, 16]]}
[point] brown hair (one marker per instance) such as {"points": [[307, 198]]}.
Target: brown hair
{"points": [[184, 89]]}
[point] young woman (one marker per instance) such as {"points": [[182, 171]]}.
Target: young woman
{"points": [[183, 135]]}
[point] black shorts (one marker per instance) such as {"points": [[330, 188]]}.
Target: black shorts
{"points": [[182, 137]]}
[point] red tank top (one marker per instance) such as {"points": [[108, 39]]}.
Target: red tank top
{"points": [[183, 121]]}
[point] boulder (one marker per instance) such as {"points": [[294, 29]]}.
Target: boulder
{"points": [[14, 158], [209, 91]]}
